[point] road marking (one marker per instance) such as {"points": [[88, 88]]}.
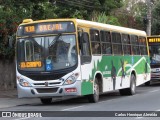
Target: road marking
{"points": [[153, 91], [71, 108], [106, 100], [22, 118], [158, 110]]}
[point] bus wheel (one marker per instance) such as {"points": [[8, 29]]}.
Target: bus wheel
{"points": [[147, 83], [132, 89], [46, 100], [93, 98]]}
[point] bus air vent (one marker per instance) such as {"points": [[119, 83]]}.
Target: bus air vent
{"points": [[47, 90]]}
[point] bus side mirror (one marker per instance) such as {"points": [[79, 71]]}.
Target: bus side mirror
{"points": [[10, 41]]}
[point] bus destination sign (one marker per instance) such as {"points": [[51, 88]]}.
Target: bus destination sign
{"points": [[46, 28], [35, 64], [153, 39]]}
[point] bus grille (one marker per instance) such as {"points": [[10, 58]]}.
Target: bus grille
{"points": [[155, 66], [40, 77], [46, 90], [43, 84]]}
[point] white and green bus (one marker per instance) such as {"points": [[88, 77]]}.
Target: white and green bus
{"points": [[73, 57]]}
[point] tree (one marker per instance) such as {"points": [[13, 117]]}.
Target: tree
{"points": [[156, 19], [103, 18], [8, 25], [12, 12], [132, 14], [85, 9]]}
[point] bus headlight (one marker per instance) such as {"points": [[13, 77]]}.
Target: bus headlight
{"points": [[24, 83], [72, 79]]}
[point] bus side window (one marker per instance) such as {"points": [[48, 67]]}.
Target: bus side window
{"points": [[126, 44], [84, 48], [116, 43], [106, 42], [135, 45], [95, 41], [142, 45], [84, 44]]}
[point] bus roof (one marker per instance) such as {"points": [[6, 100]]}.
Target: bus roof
{"points": [[112, 27], [91, 24], [154, 36]]}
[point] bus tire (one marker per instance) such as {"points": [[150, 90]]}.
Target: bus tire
{"points": [[46, 100], [132, 89], [148, 83], [93, 98]]}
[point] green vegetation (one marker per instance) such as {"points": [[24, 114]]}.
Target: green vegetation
{"points": [[156, 19], [115, 12]]}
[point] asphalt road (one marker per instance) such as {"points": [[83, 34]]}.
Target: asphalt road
{"points": [[147, 98]]}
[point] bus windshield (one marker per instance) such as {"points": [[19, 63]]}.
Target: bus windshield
{"points": [[47, 53], [155, 53]]}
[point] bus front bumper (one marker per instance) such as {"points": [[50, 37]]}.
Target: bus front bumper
{"points": [[155, 76], [50, 91]]}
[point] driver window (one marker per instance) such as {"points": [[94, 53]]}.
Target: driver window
{"points": [[28, 51], [32, 51], [84, 46], [85, 50]]}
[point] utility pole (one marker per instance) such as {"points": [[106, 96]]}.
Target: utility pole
{"points": [[149, 14]]}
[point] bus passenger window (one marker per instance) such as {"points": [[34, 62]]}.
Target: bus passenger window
{"points": [[126, 44], [96, 48], [135, 45], [142, 45], [106, 42], [106, 48], [95, 41], [116, 43]]}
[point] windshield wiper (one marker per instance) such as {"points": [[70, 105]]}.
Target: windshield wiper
{"points": [[55, 39]]}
